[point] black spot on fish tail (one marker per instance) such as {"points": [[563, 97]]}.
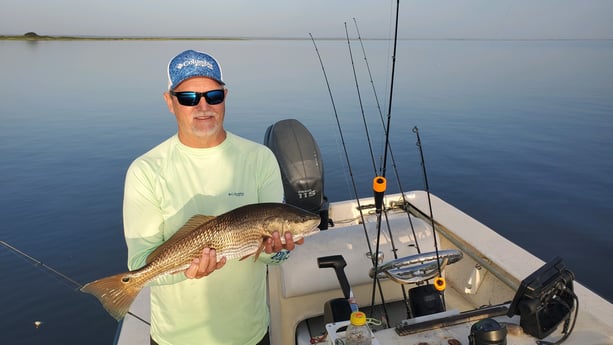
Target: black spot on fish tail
{"points": [[116, 293]]}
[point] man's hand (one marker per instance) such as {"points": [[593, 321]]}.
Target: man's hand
{"points": [[274, 244], [204, 265]]}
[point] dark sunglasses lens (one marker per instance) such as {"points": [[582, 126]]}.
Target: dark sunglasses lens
{"points": [[214, 96], [188, 98], [191, 98]]}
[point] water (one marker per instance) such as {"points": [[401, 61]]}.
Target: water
{"points": [[517, 134]]}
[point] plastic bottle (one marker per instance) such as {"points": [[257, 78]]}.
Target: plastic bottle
{"points": [[358, 332]]}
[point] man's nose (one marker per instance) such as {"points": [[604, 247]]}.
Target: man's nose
{"points": [[203, 103]]}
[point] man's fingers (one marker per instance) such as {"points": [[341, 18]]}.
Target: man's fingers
{"points": [[289, 241], [209, 262], [268, 245], [205, 264], [274, 244], [192, 270], [221, 262]]}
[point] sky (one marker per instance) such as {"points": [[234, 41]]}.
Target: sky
{"points": [[497, 19]]}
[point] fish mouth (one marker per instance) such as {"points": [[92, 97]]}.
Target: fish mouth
{"points": [[313, 228], [310, 230]]}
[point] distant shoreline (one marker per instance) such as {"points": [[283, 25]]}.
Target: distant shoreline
{"points": [[96, 38], [137, 38], [35, 38]]}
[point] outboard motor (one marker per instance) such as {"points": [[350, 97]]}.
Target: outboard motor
{"points": [[301, 166]]}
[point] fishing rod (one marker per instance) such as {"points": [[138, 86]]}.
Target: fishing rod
{"points": [[53, 272], [439, 282], [374, 165], [391, 94], [379, 182], [355, 190], [357, 87], [374, 90], [42, 266]]}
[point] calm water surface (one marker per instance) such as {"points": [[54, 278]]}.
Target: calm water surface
{"points": [[518, 134]]}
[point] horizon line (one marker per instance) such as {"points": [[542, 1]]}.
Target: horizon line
{"points": [[35, 36]]}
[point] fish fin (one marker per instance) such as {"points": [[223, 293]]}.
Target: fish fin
{"points": [[116, 293], [192, 224], [259, 251], [246, 256]]}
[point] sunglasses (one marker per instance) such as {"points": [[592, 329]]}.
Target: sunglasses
{"points": [[192, 98]]}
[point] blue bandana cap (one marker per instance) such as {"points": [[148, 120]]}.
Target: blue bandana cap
{"points": [[191, 63]]}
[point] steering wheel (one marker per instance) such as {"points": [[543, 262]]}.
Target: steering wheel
{"points": [[417, 268]]}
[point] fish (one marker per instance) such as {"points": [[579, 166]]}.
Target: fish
{"points": [[237, 234]]}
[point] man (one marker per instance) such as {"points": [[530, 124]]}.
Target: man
{"points": [[203, 169]]}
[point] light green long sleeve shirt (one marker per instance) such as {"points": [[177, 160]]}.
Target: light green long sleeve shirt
{"points": [[163, 189]]}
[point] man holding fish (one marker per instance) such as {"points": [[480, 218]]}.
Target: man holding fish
{"points": [[203, 170]]}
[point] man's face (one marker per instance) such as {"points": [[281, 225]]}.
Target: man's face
{"points": [[201, 125]]}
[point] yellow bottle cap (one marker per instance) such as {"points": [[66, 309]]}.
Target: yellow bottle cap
{"points": [[358, 318]]}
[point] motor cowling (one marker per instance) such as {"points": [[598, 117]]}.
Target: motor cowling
{"points": [[300, 163]]}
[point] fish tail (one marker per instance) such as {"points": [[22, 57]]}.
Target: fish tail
{"points": [[116, 293]]}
